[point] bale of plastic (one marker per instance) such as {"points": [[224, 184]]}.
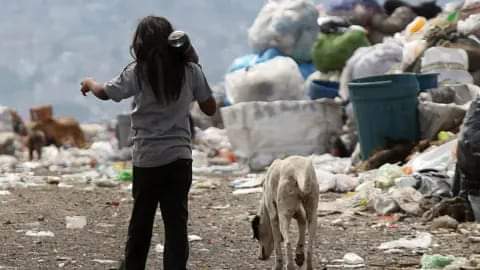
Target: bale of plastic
{"points": [[451, 64], [261, 132], [276, 79], [290, 26], [332, 51]]}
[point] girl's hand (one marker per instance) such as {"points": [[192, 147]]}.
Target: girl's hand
{"points": [[86, 86]]}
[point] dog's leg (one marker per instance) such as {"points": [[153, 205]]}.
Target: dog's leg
{"points": [[302, 225], [311, 206], [277, 243], [285, 220]]}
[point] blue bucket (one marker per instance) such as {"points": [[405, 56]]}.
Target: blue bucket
{"points": [[427, 81], [385, 109], [323, 89]]}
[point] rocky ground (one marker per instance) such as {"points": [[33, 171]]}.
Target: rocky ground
{"points": [[218, 218]]}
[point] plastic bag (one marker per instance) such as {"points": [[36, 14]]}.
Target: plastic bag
{"points": [[387, 174], [277, 79], [369, 61], [451, 64], [290, 26], [434, 183], [326, 181], [436, 158], [471, 25], [345, 183], [471, 5], [411, 51], [436, 261], [258, 133], [332, 51], [436, 117], [250, 60]]}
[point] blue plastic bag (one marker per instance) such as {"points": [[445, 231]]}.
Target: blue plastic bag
{"points": [[307, 69], [253, 59]]}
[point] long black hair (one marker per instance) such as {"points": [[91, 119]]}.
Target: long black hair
{"points": [[156, 62]]}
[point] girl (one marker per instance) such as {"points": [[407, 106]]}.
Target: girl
{"points": [[163, 82]]}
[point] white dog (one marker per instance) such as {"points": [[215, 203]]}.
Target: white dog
{"points": [[290, 190]]}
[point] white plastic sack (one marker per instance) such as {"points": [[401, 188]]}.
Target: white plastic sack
{"points": [[264, 131], [471, 4], [214, 138], [437, 158], [471, 25], [423, 240], [340, 183], [290, 26], [411, 51], [277, 79], [436, 117], [369, 61], [345, 183], [451, 64], [326, 181], [408, 199]]}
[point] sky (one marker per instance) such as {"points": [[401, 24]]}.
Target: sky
{"points": [[48, 46]]}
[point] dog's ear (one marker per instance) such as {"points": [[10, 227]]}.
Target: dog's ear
{"points": [[255, 227]]}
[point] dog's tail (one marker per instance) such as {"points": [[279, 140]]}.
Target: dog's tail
{"points": [[308, 182]]}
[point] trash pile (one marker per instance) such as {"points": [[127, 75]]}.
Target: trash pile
{"points": [[387, 95]]}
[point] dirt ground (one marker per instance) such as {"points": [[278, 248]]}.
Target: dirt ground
{"points": [[217, 216]]}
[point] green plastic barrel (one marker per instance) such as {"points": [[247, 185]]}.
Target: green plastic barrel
{"points": [[385, 109]]}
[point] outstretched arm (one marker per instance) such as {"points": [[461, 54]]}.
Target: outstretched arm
{"points": [[90, 85]]}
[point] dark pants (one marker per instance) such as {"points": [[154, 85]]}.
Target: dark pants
{"points": [[168, 186]]}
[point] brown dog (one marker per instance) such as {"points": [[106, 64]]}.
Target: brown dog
{"points": [[35, 142], [59, 132]]}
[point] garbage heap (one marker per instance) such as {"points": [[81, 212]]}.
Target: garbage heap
{"points": [[59, 151], [378, 96]]}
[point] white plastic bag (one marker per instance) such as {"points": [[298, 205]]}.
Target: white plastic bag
{"points": [[277, 79], [326, 181], [264, 131], [471, 25], [471, 4], [451, 64], [411, 51], [290, 26], [437, 158], [369, 61]]}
